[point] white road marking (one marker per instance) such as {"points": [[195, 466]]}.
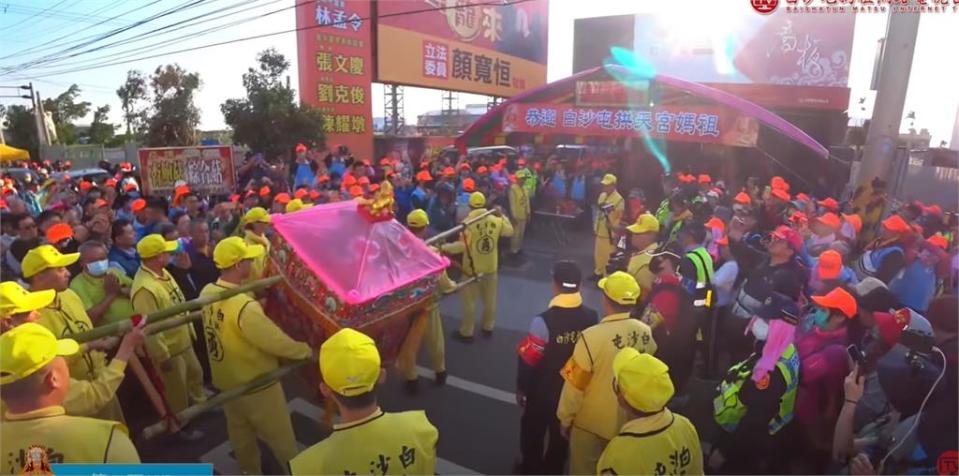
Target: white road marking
{"points": [[477, 388]]}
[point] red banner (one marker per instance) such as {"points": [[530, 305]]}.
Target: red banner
{"points": [[711, 125], [334, 45], [611, 93], [206, 169]]}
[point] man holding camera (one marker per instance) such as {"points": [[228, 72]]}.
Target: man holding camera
{"points": [[611, 208]]}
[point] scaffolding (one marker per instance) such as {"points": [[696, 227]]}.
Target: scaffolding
{"points": [[393, 120], [450, 109]]}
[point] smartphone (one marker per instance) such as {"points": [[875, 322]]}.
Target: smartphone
{"points": [[857, 356]]}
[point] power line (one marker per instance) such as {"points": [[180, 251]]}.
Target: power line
{"points": [[34, 15], [267, 35], [90, 17]]}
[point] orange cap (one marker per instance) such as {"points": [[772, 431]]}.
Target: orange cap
{"points": [[58, 233], [482, 170], [111, 182], [469, 185], [896, 224], [829, 204], [423, 176], [374, 187], [449, 172], [282, 198], [780, 194], [829, 265], [235, 198], [802, 197], [356, 191], [100, 203], [830, 219], [314, 195], [798, 218], [716, 223], [513, 179], [743, 198], [265, 191], [853, 220], [129, 187], [778, 183], [684, 178], [840, 300], [300, 193], [349, 181], [181, 190], [724, 241], [935, 210], [938, 240], [324, 178], [385, 161], [703, 178], [138, 204], [363, 180], [465, 166], [521, 162], [84, 185]]}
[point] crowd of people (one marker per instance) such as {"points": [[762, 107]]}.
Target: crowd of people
{"points": [[833, 337]]}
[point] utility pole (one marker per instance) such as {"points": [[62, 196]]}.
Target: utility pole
{"points": [[28, 87], [450, 109], [893, 81]]}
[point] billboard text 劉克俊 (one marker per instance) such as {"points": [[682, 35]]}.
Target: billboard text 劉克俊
{"points": [[463, 45]]}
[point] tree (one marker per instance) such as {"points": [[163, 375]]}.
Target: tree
{"points": [[131, 94], [174, 117], [65, 109], [269, 119], [101, 132], [21, 129]]}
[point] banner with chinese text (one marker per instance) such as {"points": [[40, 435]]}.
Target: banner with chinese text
{"points": [[713, 125], [335, 69], [463, 45], [206, 169]]}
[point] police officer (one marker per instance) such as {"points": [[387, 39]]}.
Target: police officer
{"points": [[66, 315], [172, 350], [519, 209], [242, 344], [255, 224], [654, 440], [430, 327], [757, 396], [479, 245], [34, 381], [696, 276], [367, 439], [642, 242], [542, 354], [611, 208], [588, 413]]}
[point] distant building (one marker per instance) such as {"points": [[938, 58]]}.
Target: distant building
{"points": [[915, 141], [438, 123], [954, 143]]}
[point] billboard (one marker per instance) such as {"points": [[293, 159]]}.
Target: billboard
{"points": [[206, 169], [334, 49], [463, 45]]}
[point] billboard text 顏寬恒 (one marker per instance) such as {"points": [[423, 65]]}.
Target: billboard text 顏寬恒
{"points": [[463, 45]]}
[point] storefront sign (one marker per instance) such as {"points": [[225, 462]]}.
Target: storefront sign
{"points": [[206, 169]]}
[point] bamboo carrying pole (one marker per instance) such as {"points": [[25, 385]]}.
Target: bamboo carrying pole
{"points": [[124, 326], [459, 228]]}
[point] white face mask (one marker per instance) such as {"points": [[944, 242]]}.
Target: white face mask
{"points": [[98, 268], [760, 329]]}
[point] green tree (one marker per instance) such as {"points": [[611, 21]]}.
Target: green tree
{"points": [[65, 109], [269, 119], [132, 93], [101, 132], [173, 116], [20, 129]]}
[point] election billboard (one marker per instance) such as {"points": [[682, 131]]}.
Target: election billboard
{"points": [[492, 48], [206, 169]]}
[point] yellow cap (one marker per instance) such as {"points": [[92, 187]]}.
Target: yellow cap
{"points": [[16, 300], [232, 250], [152, 245], [477, 200], [417, 219], [349, 363], [643, 380], [620, 287], [608, 179], [257, 215], [296, 205], [30, 347], [45, 257], [645, 223]]}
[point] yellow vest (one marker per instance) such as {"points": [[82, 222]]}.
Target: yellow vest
{"points": [[237, 357], [638, 267], [65, 439], [259, 264], [518, 202], [152, 292], [383, 443], [66, 316], [480, 243], [587, 400], [666, 443], [615, 215]]}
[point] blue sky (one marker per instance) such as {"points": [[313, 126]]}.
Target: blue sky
{"points": [[35, 24]]}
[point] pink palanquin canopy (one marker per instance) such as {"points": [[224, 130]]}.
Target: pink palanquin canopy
{"points": [[356, 258]]}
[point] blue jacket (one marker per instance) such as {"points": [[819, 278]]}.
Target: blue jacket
{"points": [[128, 263]]}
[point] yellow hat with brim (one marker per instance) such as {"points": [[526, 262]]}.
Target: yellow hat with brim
{"points": [[349, 363], [16, 300], [257, 215], [296, 205], [643, 380], [620, 287], [232, 250], [45, 257], [417, 219], [608, 179], [28, 348], [153, 245], [645, 223], [477, 200]]}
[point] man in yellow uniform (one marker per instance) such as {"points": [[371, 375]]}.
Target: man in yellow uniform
{"points": [[243, 343], [611, 208], [430, 326], [66, 315], [19, 306], [172, 350], [255, 224], [367, 439], [34, 381], [588, 413], [642, 242], [667, 442], [519, 212], [479, 245], [104, 290]]}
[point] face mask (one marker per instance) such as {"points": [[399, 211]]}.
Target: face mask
{"points": [[820, 317], [98, 268], [760, 329]]}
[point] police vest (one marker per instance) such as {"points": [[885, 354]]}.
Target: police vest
{"points": [[728, 409], [564, 326], [702, 294], [662, 213], [868, 264]]}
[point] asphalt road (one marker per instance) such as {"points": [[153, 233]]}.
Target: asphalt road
{"points": [[475, 412]]}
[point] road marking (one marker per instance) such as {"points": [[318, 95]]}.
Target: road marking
{"points": [[221, 459], [477, 388]]}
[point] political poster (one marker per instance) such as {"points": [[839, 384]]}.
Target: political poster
{"points": [[206, 169]]}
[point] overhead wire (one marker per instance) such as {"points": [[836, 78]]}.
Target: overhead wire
{"points": [[76, 17], [15, 25]]}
